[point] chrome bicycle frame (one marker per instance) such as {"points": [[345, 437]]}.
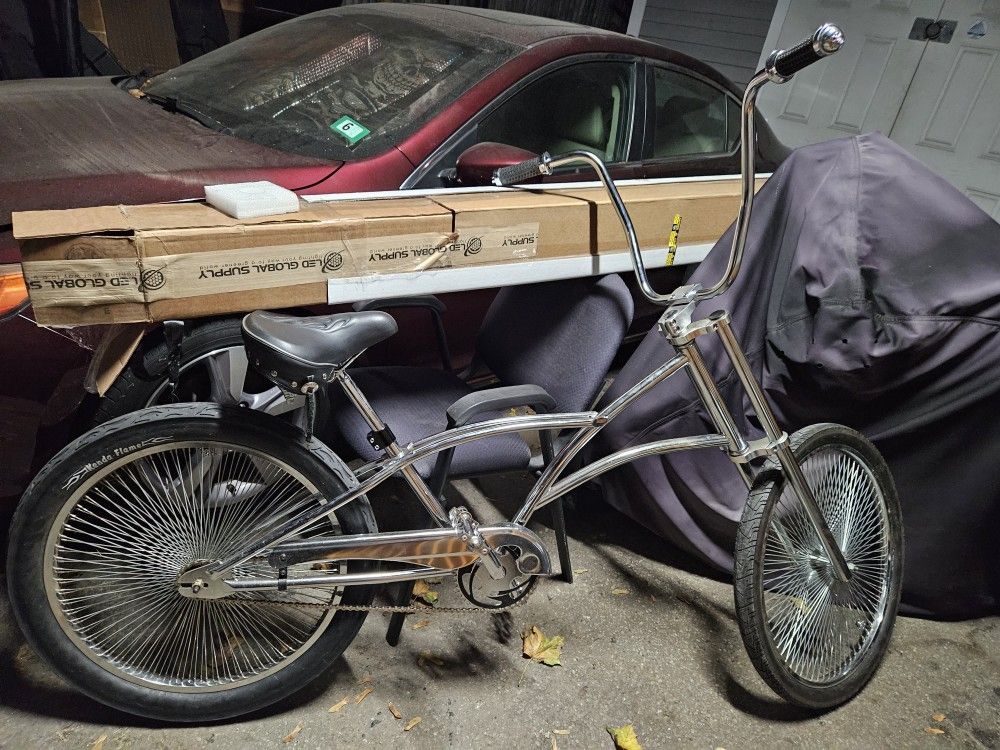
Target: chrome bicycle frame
{"points": [[680, 330]]}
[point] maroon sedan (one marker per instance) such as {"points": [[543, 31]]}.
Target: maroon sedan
{"points": [[371, 97]]}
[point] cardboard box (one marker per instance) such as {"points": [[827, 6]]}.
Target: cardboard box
{"points": [[707, 209], [118, 264]]}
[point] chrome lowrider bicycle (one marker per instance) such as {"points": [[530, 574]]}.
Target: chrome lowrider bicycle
{"points": [[196, 561]]}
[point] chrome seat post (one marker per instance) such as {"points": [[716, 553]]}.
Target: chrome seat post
{"points": [[391, 447]]}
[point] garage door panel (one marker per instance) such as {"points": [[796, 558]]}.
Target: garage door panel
{"points": [[863, 86], [867, 76], [801, 96], [951, 118], [989, 202], [940, 101], [960, 91]]}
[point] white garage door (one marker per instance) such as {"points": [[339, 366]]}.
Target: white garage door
{"points": [[940, 101]]}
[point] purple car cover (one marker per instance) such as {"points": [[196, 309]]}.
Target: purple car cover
{"points": [[869, 296]]}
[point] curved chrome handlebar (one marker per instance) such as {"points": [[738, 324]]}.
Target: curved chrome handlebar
{"points": [[748, 143], [747, 136], [825, 41]]}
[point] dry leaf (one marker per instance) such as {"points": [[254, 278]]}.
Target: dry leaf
{"points": [[411, 723], [426, 657], [363, 694], [541, 649], [293, 734], [337, 706], [939, 717], [555, 745], [420, 624], [578, 571], [366, 680], [99, 742], [423, 592], [560, 731], [933, 730], [394, 711], [800, 603], [620, 592], [624, 737]]}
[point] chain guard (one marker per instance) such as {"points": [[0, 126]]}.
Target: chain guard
{"points": [[481, 589]]}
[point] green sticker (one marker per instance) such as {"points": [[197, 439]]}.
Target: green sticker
{"points": [[350, 128]]}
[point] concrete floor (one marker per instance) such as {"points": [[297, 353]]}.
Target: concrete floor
{"points": [[665, 657]]}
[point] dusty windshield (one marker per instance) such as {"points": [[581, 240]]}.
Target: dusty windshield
{"points": [[335, 84]]}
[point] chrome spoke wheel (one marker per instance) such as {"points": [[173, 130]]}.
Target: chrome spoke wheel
{"points": [[814, 639], [819, 626], [117, 548]]}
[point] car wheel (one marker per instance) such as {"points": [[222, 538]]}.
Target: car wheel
{"points": [[213, 367]]}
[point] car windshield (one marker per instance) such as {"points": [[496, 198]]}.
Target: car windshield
{"points": [[341, 84]]}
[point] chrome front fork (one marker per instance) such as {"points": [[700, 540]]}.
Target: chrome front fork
{"points": [[678, 328]]}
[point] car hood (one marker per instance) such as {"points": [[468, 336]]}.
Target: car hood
{"points": [[82, 141]]}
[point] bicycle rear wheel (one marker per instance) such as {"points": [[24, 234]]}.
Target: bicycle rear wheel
{"points": [[816, 641], [102, 534]]}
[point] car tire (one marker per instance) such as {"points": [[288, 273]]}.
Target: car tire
{"points": [[144, 380]]}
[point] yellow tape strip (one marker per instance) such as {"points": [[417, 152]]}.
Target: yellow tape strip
{"points": [[672, 243]]}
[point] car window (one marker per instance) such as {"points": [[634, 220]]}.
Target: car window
{"points": [[583, 106], [341, 84], [691, 117]]}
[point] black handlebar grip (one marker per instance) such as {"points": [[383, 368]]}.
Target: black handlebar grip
{"points": [[521, 172], [827, 40]]}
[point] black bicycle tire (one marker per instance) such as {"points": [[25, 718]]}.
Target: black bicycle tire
{"points": [[748, 589], [44, 498]]}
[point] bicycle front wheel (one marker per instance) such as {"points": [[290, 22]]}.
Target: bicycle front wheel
{"points": [[105, 530], [816, 641]]}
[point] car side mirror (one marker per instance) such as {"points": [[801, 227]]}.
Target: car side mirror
{"points": [[477, 163]]}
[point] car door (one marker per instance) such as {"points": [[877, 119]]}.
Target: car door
{"points": [[691, 125], [589, 102]]}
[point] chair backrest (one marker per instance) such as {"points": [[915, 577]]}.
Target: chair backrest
{"points": [[560, 335]]}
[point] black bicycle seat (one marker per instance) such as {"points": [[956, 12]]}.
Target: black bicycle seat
{"points": [[291, 351]]}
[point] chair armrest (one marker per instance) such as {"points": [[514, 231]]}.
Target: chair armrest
{"points": [[424, 300], [431, 304], [494, 399]]}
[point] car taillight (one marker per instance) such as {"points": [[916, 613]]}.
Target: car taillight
{"points": [[13, 289]]}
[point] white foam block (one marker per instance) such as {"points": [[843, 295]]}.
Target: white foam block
{"points": [[247, 200]]}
